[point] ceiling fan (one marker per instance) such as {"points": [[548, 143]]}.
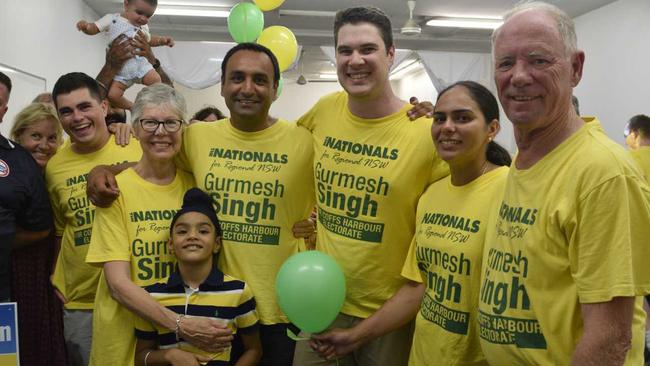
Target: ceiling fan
{"points": [[411, 27], [301, 78]]}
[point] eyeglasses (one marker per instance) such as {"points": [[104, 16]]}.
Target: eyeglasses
{"points": [[170, 125]]}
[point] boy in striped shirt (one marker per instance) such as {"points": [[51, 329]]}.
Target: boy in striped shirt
{"points": [[198, 288]]}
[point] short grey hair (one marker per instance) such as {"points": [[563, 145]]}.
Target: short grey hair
{"points": [[564, 23], [156, 95]]}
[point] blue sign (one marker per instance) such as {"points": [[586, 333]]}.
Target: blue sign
{"points": [[8, 329]]}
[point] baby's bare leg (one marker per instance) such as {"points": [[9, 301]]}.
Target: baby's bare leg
{"points": [[151, 78], [116, 96]]}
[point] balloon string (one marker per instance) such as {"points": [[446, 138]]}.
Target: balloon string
{"points": [[297, 338]]}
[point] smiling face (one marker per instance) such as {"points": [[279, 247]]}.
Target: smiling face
{"points": [[159, 145], [194, 238], [41, 140], [83, 118], [138, 12], [459, 129], [248, 87], [362, 61], [533, 73]]}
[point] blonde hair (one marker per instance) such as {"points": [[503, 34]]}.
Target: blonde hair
{"points": [[563, 22], [32, 114]]}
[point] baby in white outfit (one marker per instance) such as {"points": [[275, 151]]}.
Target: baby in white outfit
{"points": [[134, 19]]}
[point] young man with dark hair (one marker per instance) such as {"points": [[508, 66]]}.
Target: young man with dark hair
{"points": [[24, 208], [82, 113], [367, 218]]}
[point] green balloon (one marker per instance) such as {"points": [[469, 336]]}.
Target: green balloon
{"points": [[280, 85], [311, 290], [245, 22]]}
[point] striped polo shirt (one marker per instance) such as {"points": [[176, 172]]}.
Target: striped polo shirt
{"points": [[219, 297]]}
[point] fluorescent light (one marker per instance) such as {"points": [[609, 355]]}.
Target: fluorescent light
{"points": [[215, 59], [308, 13], [4, 69], [213, 13], [328, 76], [476, 23]]}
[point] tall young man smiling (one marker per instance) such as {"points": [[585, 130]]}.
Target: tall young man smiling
{"points": [[371, 164]]}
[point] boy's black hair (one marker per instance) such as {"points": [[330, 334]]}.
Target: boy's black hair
{"points": [[195, 200]]}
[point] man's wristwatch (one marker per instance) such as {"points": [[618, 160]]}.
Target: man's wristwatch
{"points": [[156, 64]]}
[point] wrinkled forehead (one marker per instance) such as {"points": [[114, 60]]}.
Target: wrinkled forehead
{"points": [[528, 30]]}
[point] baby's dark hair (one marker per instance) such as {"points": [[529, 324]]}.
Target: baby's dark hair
{"points": [[153, 3]]}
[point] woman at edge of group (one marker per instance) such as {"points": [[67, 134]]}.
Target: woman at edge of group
{"points": [[37, 129], [466, 120], [129, 238]]}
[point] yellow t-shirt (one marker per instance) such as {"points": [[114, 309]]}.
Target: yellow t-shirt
{"points": [[65, 176], [642, 158], [571, 229], [445, 255], [134, 229], [369, 175], [261, 184]]}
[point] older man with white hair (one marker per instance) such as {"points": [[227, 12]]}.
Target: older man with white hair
{"points": [[563, 269]]}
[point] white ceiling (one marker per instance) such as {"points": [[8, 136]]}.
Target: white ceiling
{"points": [[312, 32]]}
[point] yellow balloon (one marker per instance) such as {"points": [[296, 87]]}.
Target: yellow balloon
{"points": [[281, 41], [266, 5]]}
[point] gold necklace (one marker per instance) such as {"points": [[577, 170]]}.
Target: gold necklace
{"points": [[485, 165]]}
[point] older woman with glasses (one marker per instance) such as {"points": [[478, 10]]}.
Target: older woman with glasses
{"points": [[130, 237]]}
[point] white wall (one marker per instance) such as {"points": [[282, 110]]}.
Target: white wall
{"points": [[616, 76], [296, 99], [39, 36], [415, 84]]}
